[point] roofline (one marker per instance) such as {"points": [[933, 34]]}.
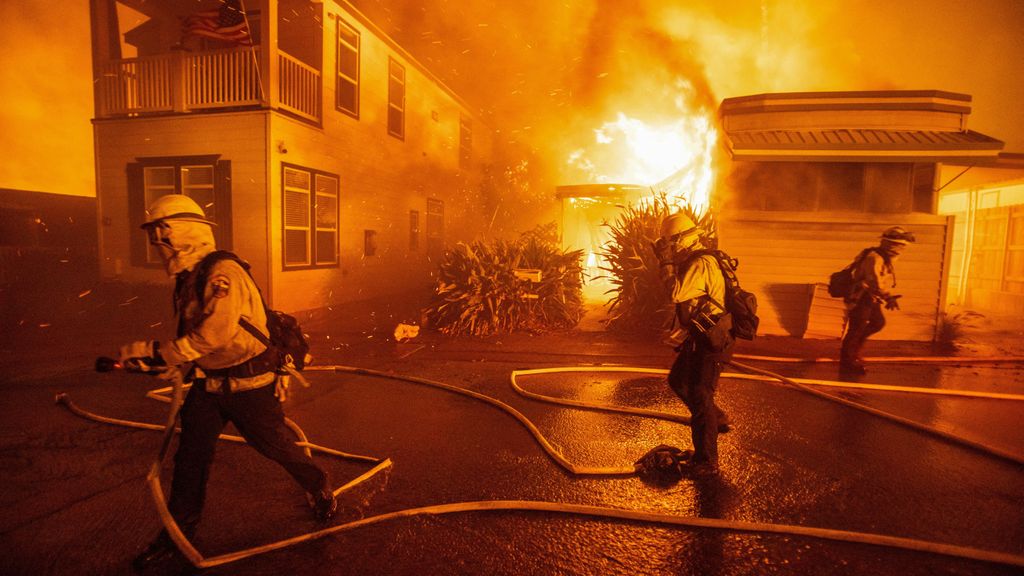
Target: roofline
{"points": [[1005, 160], [852, 155], [852, 94], [921, 104], [600, 189]]}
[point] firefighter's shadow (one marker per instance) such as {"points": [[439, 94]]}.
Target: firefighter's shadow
{"points": [[791, 304]]}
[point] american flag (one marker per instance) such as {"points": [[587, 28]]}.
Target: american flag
{"points": [[226, 24]]}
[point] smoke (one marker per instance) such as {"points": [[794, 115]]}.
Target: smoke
{"points": [[548, 74]]}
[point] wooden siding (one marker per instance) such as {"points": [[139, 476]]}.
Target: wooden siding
{"points": [[381, 178], [783, 255], [237, 137]]}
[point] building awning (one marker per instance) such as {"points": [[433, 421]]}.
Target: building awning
{"points": [[861, 145]]}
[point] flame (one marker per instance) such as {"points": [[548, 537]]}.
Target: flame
{"points": [[675, 158]]}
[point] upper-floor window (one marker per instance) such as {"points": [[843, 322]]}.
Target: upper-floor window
{"points": [[465, 141], [347, 89], [396, 99], [205, 179], [310, 218]]}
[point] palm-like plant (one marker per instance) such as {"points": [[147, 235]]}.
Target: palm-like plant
{"points": [[641, 301], [479, 294]]}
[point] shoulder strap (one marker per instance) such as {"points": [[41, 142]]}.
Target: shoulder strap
{"points": [[725, 264], [203, 272]]}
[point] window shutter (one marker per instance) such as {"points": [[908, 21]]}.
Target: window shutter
{"points": [[222, 197], [136, 215]]}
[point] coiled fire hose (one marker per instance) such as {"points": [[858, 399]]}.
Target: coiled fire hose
{"points": [[199, 561]]}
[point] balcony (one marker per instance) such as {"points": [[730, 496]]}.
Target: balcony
{"points": [[186, 82]]}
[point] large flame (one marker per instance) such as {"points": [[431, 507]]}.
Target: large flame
{"points": [[675, 158]]}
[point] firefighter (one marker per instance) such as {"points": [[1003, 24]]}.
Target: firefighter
{"points": [[697, 286], [230, 375], [874, 276]]}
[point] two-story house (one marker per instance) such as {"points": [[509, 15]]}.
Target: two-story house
{"points": [[330, 159]]}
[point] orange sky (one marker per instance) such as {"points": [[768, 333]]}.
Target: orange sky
{"points": [[555, 69]]}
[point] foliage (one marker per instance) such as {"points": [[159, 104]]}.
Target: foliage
{"points": [[955, 325], [641, 302], [478, 293]]}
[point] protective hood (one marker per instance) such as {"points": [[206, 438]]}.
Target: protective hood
{"points": [[183, 243]]}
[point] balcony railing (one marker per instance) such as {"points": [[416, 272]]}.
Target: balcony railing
{"points": [[300, 87], [186, 81]]}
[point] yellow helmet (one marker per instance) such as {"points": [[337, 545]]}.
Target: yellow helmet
{"points": [[677, 224], [175, 207]]}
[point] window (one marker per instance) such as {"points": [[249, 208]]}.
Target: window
{"points": [[310, 218], [435, 226], [396, 99], [465, 141], [347, 89], [414, 230], [204, 179], [369, 243]]}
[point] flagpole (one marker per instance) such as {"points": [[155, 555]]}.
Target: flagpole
{"points": [[252, 51]]}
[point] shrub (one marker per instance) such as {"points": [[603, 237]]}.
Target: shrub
{"points": [[640, 301], [478, 293]]}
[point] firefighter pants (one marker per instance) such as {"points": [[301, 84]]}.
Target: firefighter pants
{"points": [[863, 319], [694, 378], [258, 416]]}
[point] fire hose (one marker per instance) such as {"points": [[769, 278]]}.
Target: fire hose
{"points": [[196, 558]]}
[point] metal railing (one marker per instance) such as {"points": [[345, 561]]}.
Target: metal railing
{"points": [[299, 87], [184, 81]]}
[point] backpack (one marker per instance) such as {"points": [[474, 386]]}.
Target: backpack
{"points": [[739, 303], [840, 284], [286, 345]]}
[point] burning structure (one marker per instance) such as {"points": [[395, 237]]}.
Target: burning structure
{"points": [[327, 155]]}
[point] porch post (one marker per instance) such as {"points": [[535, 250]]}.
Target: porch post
{"points": [[268, 53], [178, 93]]}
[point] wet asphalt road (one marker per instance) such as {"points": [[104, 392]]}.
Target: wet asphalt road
{"points": [[75, 501]]}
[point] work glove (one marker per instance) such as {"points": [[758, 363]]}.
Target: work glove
{"points": [[891, 303], [141, 356]]}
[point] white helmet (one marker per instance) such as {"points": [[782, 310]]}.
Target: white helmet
{"points": [[681, 231], [175, 207], [177, 226]]}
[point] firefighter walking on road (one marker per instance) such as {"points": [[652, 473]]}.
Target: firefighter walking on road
{"points": [[874, 277], [698, 288], [233, 374]]}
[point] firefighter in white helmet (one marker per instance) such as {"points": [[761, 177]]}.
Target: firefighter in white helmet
{"points": [[696, 285], [874, 277], [233, 377]]}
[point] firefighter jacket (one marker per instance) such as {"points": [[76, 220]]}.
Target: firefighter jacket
{"points": [[702, 277], [874, 275], [208, 330]]}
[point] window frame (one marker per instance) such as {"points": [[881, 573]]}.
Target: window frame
{"points": [[312, 237], [339, 77], [141, 255], [399, 108]]}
